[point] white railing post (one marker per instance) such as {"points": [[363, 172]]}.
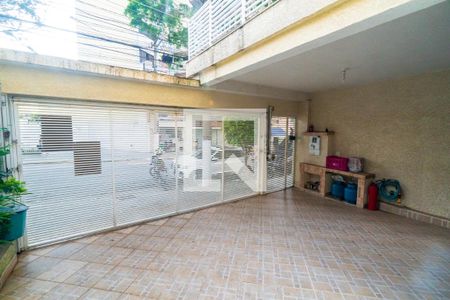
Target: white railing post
{"points": [[217, 18], [209, 3], [190, 39], [243, 5]]}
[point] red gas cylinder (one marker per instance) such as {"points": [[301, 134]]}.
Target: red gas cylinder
{"points": [[373, 197]]}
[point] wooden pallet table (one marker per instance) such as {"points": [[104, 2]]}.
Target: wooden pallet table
{"points": [[363, 180]]}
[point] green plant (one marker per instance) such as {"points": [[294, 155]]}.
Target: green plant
{"points": [[4, 151], [5, 218], [11, 189]]}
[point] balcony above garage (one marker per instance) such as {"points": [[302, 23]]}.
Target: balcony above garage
{"points": [[220, 29], [281, 38]]}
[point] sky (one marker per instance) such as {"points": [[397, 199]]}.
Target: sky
{"points": [[43, 40], [46, 41]]}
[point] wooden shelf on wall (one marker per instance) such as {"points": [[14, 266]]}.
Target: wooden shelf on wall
{"points": [[318, 133]]}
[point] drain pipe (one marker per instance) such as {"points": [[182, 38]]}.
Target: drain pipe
{"points": [[270, 110]]}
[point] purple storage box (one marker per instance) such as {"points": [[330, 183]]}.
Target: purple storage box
{"points": [[337, 163]]}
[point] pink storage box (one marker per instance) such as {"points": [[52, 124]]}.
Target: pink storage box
{"points": [[337, 163]]}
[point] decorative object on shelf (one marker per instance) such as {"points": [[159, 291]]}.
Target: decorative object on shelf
{"points": [[311, 128], [355, 164], [337, 163], [314, 145], [390, 190], [350, 192]]}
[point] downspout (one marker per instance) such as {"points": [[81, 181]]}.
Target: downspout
{"points": [[270, 110]]}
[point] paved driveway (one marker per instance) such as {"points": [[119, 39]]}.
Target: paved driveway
{"points": [[285, 245]]}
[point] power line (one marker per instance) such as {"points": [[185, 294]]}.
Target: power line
{"points": [[125, 59], [117, 14], [105, 39], [119, 52], [102, 9], [98, 28], [91, 23], [95, 22], [108, 20], [139, 3], [99, 21], [155, 9]]}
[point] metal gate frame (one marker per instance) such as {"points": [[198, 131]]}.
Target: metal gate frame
{"points": [[286, 141], [10, 113]]}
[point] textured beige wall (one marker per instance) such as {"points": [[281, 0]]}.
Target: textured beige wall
{"points": [[51, 82], [300, 145], [402, 129]]}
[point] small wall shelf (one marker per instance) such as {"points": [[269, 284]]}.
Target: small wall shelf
{"points": [[318, 133]]}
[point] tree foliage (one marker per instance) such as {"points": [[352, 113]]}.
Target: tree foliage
{"points": [[240, 133], [24, 9], [160, 20]]}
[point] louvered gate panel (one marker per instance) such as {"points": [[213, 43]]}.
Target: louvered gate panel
{"points": [[200, 160], [144, 188], [70, 185], [280, 166], [241, 155], [276, 164], [290, 159], [90, 168]]}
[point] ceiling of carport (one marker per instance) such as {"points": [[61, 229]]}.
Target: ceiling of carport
{"points": [[410, 45]]}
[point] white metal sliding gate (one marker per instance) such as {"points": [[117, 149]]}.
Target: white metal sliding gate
{"points": [[93, 167], [280, 167]]}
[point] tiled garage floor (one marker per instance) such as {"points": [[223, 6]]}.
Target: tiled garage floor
{"points": [[286, 245]]}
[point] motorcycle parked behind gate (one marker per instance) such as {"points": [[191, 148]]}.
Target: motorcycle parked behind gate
{"points": [[164, 172]]}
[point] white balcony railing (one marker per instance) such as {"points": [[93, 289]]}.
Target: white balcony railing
{"points": [[217, 18]]}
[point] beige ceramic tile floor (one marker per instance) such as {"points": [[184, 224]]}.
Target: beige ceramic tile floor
{"points": [[286, 245]]}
